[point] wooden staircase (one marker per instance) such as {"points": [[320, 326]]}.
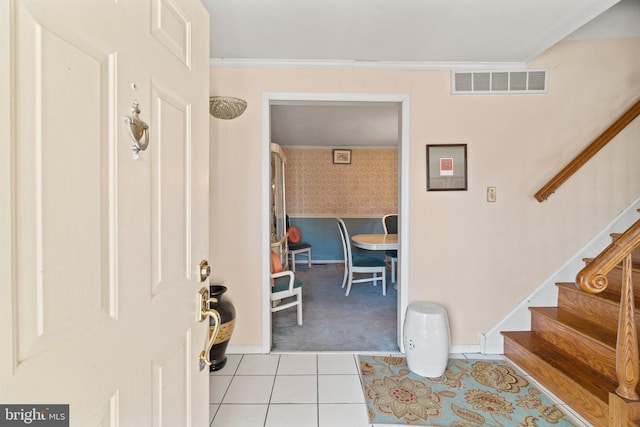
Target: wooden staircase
{"points": [[586, 350], [571, 348]]}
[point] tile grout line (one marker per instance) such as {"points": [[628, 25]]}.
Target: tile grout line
{"points": [[273, 386], [225, 391], [317, 390]]}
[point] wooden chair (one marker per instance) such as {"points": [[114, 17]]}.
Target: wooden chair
{"points": [[284, 285], [296, 245], [360, 264], [390, 224], [302, 248]]}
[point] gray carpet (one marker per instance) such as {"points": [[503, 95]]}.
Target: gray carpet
{"points": [[363, 321]]}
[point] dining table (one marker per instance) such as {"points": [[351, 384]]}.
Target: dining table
{"points": [[376, 242]]}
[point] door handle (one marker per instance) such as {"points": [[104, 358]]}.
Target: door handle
{"points": [[204, 313]]}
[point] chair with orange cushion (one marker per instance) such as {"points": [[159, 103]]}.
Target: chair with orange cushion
{"points": [[284, 285], [297, 246]]}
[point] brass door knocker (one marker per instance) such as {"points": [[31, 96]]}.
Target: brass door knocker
{"points": [[138, 131]]}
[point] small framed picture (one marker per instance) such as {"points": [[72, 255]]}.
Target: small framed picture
{"points": [[446, 167], [342, 157]]}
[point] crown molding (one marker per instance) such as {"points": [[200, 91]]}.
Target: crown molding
{"points": [[363, 65]]}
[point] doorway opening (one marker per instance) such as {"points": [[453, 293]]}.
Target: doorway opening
{"points": [[400, 102]]}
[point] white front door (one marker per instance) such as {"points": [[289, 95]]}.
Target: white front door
{"points": [[99, 250]]}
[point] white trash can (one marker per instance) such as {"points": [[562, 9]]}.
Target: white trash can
{"points": [[426, 339]]}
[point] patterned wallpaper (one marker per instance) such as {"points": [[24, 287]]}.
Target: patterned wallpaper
{"points": [[315, 187]]}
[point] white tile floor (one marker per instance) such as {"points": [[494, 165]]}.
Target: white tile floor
{"points": [[315, 390], [294, 390]]}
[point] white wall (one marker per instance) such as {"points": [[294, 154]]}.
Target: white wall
{"points": [[477, 259]]}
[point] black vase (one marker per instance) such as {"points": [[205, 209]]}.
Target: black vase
{"points": [[227, 322]]}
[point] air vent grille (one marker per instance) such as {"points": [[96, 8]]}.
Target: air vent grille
{"points": [[521, 81]]}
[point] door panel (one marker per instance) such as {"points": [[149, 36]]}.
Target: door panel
{"points": [[172, 29], [171, 258], [170, 184], [171, 387], [60, 291], [101, 249]]}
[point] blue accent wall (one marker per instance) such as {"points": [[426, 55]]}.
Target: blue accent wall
{"points": [[324, 237]]}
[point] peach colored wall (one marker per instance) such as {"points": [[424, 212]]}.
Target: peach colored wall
{"points": [[316, 187], [477, 259]]}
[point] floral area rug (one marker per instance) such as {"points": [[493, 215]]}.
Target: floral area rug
{"points": [[471, 393]]}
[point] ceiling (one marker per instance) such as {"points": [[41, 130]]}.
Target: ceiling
{"points": [[335, 124], [392, 34], [398, 31]]}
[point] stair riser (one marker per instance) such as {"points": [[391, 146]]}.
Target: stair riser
{"points": [[593, 308], [635, 254], [592, 409], [590, 307], [615, 280], [585, 349]]}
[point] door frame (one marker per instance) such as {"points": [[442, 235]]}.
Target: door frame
{"points": [[403, 208]]}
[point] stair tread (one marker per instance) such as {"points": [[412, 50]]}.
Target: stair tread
{"points": [[585, 377]]}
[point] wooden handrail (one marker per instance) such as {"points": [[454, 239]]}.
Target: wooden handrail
{"points": [[592, 278], [549, 188]]}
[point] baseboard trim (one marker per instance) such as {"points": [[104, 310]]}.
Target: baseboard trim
{"points": [[253, 349], [465, 348], [245, 349]]}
